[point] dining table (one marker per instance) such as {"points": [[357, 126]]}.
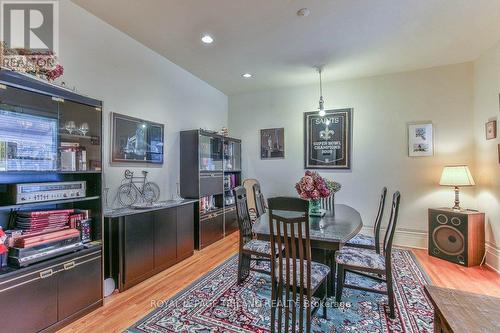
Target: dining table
{"points": [[327, 233]]}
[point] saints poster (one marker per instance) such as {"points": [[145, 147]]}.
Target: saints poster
{"points": [[328, 139]]}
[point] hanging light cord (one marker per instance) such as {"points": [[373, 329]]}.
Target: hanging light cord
{"points": [[320, 84]]}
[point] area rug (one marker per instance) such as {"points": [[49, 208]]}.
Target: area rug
{"points": [[215, 303]]}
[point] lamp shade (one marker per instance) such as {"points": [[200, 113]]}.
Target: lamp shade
{"points": [[456, 175]]}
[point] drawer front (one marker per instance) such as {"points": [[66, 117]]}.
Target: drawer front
{"points": [[211, 183], [212, 228], [230, 221]]}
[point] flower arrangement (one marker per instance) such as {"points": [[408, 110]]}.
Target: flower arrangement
{"points": [[312, 186]]}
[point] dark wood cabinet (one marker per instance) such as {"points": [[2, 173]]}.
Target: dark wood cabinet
{"points": [[165, 237], [45, 296], [147, 242], [210, 169], [138, 245], [185, 231]]}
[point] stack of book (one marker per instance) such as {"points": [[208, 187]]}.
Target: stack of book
{"points": [[43, 221]]}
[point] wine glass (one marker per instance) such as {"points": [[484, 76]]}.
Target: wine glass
{"points": [[84, 128], [70, 126]]}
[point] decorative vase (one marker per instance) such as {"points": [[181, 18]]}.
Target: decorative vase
{"points": [[315, 207]]}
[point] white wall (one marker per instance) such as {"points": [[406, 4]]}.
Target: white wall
{"points": [[486, 107], [382, 107], [130, 79]]}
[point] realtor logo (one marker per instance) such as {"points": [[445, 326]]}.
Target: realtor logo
{"points": [[30, 25]]}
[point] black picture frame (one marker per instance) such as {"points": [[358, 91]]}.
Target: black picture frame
{"points": [[328, 145], [272, 143], [149, 149]]}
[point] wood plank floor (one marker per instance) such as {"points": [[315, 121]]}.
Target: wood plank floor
{"points": [[122, 310]]}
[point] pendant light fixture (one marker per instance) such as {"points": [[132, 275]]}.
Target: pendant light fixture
{"points": [[321, 106]]}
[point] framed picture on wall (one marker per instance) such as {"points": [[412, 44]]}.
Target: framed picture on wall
{"points": [[491, 129], [328, 139], [272, 143], [420, 139], [136, 140]]}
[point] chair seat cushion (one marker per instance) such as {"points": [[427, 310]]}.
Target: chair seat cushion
{"points": [[361, 239], [318, 272], [259, 246], [357, 257]]}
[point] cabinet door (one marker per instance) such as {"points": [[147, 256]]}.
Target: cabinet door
{"points": [[138, 246], [185, 230], [212, 228], [165, 235], [211, 183], [29, 306], [230, 220], [79, 285]]}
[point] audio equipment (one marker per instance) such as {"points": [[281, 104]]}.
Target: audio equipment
{"points": [[456, 236], [37, 192]]}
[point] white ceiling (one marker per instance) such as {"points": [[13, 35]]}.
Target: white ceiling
{"points": [[351, 38]]}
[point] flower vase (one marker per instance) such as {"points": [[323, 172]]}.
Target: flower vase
{"points": [[315, 208]]}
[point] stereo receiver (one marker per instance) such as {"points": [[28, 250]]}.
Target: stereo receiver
{"points": [[38, 192]]}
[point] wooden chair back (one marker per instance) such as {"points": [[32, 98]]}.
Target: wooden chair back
{"points": [[292, 268], [244, 222], [391, 227], [260, 204], [378, 219], [248, 185]]}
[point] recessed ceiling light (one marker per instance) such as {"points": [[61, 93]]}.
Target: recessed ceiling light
{"points": [[303, 12], [207, 39], [247, 75]]}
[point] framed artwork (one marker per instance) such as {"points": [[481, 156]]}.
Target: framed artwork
{"points": [[136, 140], [420, 139], [272, 143], [491, 129], [328, 139]]}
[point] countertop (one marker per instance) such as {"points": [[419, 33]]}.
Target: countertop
{"points": [[131, 211]]}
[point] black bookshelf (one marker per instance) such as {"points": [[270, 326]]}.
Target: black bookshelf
{"points": [[210, 169], [50, 294]]}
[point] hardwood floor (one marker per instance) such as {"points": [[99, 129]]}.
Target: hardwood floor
{"points": [[122, 310]]}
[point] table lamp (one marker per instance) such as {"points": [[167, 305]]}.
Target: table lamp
{"points": [[456, 176]]}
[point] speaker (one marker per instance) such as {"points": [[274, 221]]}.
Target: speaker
{"points": [[456, 236]]}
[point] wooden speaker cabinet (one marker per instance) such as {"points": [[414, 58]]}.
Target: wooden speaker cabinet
{"points": [[456, 236]]}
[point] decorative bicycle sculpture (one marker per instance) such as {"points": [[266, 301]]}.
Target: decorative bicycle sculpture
{"points": [[130, 192]]}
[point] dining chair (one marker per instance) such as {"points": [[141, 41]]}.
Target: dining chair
{"points": [[252, 209], [260, 203], [249, 248], [296, 277], [363, 261], [371, 242]]}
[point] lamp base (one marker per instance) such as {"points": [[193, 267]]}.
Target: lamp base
{"points": [[457, 199]]}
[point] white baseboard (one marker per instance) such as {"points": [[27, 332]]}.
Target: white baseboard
{"points": [[493, 257], [403, 237], [418, 239]]}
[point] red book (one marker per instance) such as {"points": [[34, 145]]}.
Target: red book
{"points": [[47, 213]]}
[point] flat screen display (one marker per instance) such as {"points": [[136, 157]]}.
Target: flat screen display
{"points": [[27, 142]]}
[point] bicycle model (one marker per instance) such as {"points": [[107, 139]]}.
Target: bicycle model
{"points": [[129, 193]]}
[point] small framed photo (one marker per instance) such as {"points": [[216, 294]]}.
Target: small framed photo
{"points": [[491, 129], [420, 139], [272, 143]]}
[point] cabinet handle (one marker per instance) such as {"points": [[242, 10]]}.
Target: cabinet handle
{"points": [[46, 274], [69, 265]]}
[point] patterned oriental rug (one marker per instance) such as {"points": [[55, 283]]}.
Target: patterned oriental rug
{"points": [[215, 303]]}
